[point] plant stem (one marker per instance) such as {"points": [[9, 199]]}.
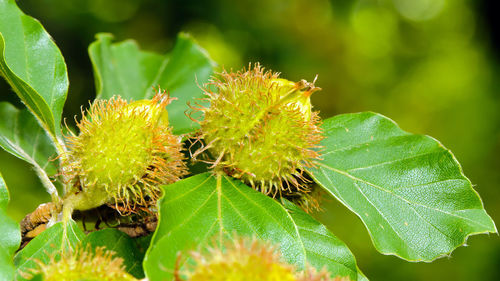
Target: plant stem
{"points": [[61, 152], [47, 183]]}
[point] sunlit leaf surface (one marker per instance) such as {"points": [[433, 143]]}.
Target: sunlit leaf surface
{"points": [[33, 65], [407, 189], [207, 208]]}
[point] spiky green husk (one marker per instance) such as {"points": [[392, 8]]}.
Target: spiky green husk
{"points": [[122, 155], [84, 264], [241, 260], [244, 259], [260, 128]]}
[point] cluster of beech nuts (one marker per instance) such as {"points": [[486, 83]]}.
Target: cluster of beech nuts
{"points": [[254, 126], [257, 127]]}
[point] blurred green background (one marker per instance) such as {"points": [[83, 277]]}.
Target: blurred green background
{"points": [[431, 65]]}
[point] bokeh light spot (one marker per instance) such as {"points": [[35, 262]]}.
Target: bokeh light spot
{"points": [[419, 10]]}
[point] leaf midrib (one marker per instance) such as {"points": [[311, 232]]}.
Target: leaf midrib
{"points": [[354, 178]]}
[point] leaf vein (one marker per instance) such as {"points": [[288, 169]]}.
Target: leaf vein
{"points": [[394, 161], [383, 217], [388, 191]]}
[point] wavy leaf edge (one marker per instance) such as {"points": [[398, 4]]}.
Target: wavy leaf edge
{"points": [[455, 161]]}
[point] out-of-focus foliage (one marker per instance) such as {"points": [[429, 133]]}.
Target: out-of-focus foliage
{"points": [[424, 63]]}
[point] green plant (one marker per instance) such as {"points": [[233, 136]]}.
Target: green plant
{"points": [[408, 189]]}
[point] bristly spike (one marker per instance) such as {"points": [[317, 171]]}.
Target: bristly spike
{"points": [[248, 259], [260, 128], [123, 153], [83, 263]]}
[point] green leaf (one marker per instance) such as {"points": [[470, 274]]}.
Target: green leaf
{"points": [[123, 69], [407, 189], [33, 65], [22, 136], [125, 247], [10, 237], [37, 277], [195, 210], [323, 249], [48, 243]]}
